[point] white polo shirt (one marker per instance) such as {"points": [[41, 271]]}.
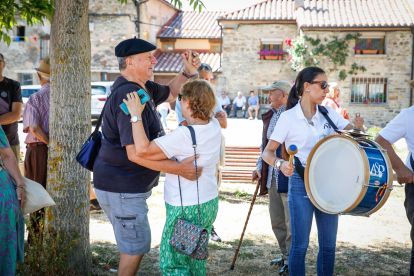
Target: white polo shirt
{"points": [[239, 101], [224, 101], [293, 128], [401, 126]]}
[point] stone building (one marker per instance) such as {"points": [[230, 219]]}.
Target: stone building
{"points": [[109, 23], [378, 93], [188, 30]]}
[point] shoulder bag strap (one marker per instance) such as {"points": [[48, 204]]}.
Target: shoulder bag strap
{"points": [[193, 138], [412, 161], [98, 124], [324, 112]]}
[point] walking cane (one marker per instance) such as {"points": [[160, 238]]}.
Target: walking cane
{"points": [[245, 225]]}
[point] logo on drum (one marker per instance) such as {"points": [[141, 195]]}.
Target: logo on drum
{"points": [[326, 125], [376, 183], [377, 170]]}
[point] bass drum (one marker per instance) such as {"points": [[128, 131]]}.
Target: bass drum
{"points": [[347, 175]]}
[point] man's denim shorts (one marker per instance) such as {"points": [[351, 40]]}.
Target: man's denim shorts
{"points": [[128, 216]]}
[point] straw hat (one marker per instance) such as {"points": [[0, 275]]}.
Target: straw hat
{"points": [[412, 83], [44, 68]]}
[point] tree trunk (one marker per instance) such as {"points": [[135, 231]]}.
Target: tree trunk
{"points": [[70, 124]]}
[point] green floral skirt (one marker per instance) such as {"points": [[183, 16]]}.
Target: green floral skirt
{"points": [[173, 263]]}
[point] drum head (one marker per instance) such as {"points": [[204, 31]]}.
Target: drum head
{"points": [[336, 171]]}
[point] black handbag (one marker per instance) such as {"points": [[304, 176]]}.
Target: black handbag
{"points": [[90, 149], [300, 169], [188, 238]]}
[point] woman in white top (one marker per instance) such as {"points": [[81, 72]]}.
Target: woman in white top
{"points": [[303, 125], [332, 98], [197, 101]]}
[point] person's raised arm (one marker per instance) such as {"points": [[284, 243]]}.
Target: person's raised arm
{"points": [[143, 147], [404, 174], [270, 158], [191, 64]]}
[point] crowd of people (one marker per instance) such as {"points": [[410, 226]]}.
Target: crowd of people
{"points": [[135, 150]]}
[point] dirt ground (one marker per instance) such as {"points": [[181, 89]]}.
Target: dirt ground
{"points": [[378, 245]]}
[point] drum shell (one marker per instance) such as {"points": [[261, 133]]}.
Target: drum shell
{"points": [[372, 155]]}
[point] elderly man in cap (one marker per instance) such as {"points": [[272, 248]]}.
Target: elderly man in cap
{"points": [[123, 181], [272, 181], [11, 104], [400, 127], [36, 125], [239, 103]]}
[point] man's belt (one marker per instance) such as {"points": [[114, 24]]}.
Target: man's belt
{"points": [[28, 145]]}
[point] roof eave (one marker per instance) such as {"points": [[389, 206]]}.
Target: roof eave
{"points": [[362, 28], [257, 21]]}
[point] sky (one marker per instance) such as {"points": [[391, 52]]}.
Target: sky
{"points": [[222, 5]]}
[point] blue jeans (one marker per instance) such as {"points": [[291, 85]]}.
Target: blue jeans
{"points": [[239, 108], [301, 216]]}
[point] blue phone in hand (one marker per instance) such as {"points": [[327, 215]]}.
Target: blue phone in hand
{"points": [[143, 97]]}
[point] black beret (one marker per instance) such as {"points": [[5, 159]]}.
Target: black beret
{"points": [[133, 46]]}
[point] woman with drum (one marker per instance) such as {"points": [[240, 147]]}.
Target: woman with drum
{"points": [[303, 125]]}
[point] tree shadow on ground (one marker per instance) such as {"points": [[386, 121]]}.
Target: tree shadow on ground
{"points": [[237, 197], [383, 258]]}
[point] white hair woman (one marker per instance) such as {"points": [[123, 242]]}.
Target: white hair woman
{"points": [[333, 98]]}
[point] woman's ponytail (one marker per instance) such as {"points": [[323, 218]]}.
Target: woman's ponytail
{"points": [[293, 98]]}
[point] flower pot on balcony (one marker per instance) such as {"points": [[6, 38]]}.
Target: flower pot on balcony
{"points": [[280, 57], [380, 52], [369, 52], [272, 57], [357, 52], [262, 57]]}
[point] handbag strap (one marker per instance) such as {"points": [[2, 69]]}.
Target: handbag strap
{"points": [[98, 124], [324, 112], [193, 138]]}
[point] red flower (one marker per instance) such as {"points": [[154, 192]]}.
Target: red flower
{"points": [[289, 58], [289, 42]]}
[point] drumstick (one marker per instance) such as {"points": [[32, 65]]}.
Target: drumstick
{"points": [[245, 225], [292, 150]]}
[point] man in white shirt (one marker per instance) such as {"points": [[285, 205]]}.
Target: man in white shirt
{"points": [[402, 126], [224, 101], [239, 103]]}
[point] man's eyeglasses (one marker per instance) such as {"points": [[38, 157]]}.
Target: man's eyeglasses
{"points": [[323, 84], [180, 96]]}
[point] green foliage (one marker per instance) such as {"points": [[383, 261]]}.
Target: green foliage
{"points": [[194, 3], [47, 253], [374, 132], [240, 193], [335, 49], [32, 11]]}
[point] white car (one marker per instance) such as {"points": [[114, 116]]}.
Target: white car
{"points": [[28, 90], [100, 91]]}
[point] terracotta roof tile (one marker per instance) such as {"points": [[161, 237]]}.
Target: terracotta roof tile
{"points": [[266, 10], [354, 13], [171, 62], [205, 22], [330, 13]]}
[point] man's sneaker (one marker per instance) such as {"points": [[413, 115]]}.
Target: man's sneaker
{"points": [[214, 236], [250, 118]]}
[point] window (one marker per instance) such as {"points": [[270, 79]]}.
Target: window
{"points": [[369, 90], [27, 79], [374, 40], [20, 33], [272, 47], [168, 46], [215, 47], [44, 48], [27, 92]]}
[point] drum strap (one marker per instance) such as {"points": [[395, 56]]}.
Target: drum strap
{"points": [[412, 161], [298, 165], [324, 112]]}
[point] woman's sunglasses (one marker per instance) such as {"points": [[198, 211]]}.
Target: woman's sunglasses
{"points": [[323, 84], [180, 96]]}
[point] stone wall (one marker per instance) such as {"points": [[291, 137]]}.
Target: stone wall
{"points": [[241, 66], [244, 71], [394, 65]]}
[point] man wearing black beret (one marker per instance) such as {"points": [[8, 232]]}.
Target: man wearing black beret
{"points": [[122, 180]]}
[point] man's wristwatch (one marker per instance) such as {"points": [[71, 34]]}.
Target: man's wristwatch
{"points": [[278, 164], [135, 119]]}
